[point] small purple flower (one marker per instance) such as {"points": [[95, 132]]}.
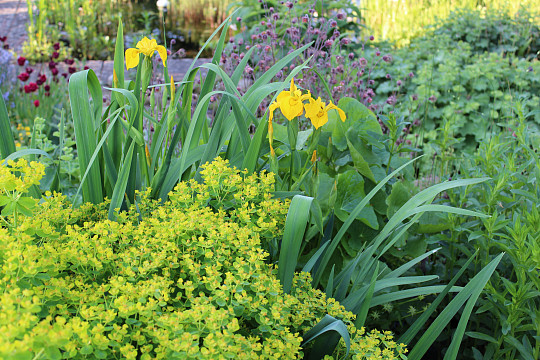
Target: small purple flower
{"points": [[398, 83], [340, 15], [351, 56], [388, 76], [387, 58], [328, 43], [363, 62], [333, 23], [289, 4], [372, 38], [305, 19], [378, 53], [411, 74], [432, 98]]}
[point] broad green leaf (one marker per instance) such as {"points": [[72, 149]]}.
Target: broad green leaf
{"points": [[325, 337], [86, 118], [295, 227], [7, 143]]}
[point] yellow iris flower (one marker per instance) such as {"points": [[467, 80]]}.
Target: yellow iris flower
{"points": [[146, 47], [291, 105], [317, 112], [289, 102]]}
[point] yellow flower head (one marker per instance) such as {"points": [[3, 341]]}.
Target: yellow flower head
{"points": [[146, 47], [289, 102], [317, 112]]}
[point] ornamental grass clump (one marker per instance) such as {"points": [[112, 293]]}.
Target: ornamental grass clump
{"points": [[189, 280]]}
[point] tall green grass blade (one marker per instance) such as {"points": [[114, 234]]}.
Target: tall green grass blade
{"points": [[95, 155], [405, 267], [119, 57], [295, 227], [7, 143], [25, 152], [410, 293], [313, 260], [252, 155], [210, 79], [438, 325], [326, 335], [362, 314], [335, 241], [329, 291], [121, 184], [355, 298], [86, 118], [269, 75], [418, 211]]}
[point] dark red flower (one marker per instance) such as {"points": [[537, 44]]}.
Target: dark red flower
{"points": [[54, 71], [69, 61], [47, 94], [47, 87], [32, 86], [21, 60], [52, 65], [29, 70], [3, 38], [56, 46], [41, 79], [72, 69], [23, 76], [36, 103], [27, 89], [55, 55], [6, 46], [86, 67], [65, 75]]}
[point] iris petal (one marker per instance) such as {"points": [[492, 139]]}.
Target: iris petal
{"points": [[132, 58], [162, 53]]}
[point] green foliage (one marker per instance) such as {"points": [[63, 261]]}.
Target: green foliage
{"points": [[506, 324], [472, 92], [16, 179], [187, 281], [493, 31], [402, 21]]}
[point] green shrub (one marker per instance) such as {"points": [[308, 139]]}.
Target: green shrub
{"points": [[493, 31], [183, 279], [471, 91]]}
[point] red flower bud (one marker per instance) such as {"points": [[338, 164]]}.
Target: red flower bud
{"points": [[36, 103], [21, 60]]}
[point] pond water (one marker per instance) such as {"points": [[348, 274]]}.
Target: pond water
{"points": [[189, 22]]}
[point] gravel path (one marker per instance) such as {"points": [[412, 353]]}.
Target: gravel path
{"points": [[13, 19]]}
